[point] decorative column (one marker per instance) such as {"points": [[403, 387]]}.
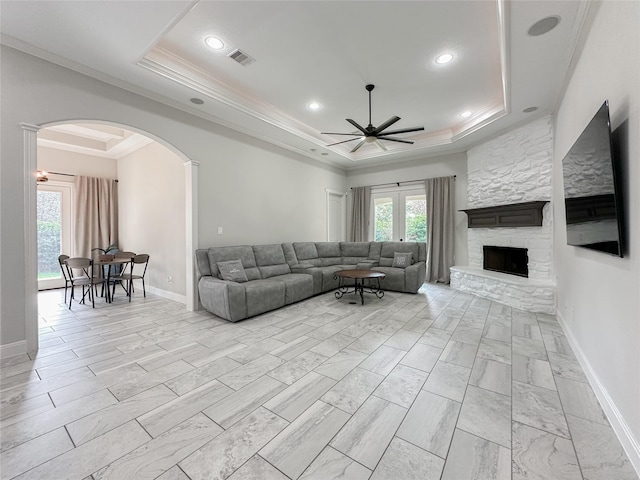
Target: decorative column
{"points": [[30, 162], [191, 205]]}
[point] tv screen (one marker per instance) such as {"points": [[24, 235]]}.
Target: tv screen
{"points": [[591, 193]]}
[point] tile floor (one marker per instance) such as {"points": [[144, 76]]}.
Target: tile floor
{"points": [[438, 385]]}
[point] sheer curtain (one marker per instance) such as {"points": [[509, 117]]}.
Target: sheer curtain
{"points": [[360, 214], [440, 228], [96, 214]]}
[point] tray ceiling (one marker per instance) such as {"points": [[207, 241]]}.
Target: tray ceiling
{"points": [[324, 52]]}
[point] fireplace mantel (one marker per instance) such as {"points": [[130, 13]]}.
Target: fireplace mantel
{"points": [[527, 214]]}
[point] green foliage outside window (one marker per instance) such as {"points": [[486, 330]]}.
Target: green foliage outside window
{"points": [[416, 221], [49, 234], [384, 222]]}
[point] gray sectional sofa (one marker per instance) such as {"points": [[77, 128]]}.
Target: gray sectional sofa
{"points": [[272, 276]]}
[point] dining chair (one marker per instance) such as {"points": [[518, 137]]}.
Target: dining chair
{"points": [[81, 273], [121, 269], [61, 260], [140, 259]]}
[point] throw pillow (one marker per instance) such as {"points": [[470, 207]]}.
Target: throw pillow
{"points": [[401, 260], [232, 271]]}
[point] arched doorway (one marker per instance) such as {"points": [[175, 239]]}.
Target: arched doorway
{"points": [[30, 136]]}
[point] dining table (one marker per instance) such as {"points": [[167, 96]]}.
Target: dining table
{"points": [[107, 268]]}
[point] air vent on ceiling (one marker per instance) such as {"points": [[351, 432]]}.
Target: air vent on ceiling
{"points": [[241, 57]]}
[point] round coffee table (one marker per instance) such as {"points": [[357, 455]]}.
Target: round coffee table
{"points": [[359, 277]]}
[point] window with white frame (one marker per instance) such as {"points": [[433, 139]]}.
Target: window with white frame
{"points": [[398, 214]]}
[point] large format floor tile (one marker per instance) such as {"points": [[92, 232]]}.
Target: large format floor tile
{"points": [[440, 385]]}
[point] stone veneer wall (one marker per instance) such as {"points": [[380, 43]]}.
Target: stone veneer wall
{"points": [[513, 168]]}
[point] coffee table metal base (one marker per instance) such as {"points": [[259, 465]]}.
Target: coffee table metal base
{"points": [[359, 287]]}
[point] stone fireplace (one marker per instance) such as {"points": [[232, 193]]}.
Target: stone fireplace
{"points": [[508, 174]]}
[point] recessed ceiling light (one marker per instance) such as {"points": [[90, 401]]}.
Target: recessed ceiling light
{"points": [[314, 106], [543, 26], [197, 101], [444, 58], [214, 43], [530, 109], [465, 114]]}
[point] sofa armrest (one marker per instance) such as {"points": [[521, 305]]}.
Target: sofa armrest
{"points": [[414, 276], [366, 264], [223, 298], [300, 267]]}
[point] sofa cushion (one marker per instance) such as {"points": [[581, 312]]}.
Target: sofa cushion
{"points": [[263, 296], [354, 260], [354, 249], [202, 261], [289, 254], [402, 260], [328, 261], [328, 249], [296, 286], [305, 251], [232, 271], [274, 270], [389, 248], [374, 250], [394, 278], [241, 252], [268, 255]]}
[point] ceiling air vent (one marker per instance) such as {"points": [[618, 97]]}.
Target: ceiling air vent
{"points": [[241, 57]]}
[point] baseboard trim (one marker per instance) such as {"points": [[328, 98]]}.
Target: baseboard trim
{"points": [[176, 297], [623, 432], [11, 349]]}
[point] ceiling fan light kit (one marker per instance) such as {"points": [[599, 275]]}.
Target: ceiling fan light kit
{"points": [[372, 134]]}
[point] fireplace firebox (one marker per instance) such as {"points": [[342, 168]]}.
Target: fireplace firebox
{"points": [[514, 261]]}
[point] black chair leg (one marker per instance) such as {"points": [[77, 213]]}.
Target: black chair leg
{"points": [[144, 290]]}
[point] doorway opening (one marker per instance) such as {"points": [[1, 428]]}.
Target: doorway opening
{"points": [[33, 269]]}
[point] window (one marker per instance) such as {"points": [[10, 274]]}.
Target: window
{"points": [[54, 232], [399, 214]]}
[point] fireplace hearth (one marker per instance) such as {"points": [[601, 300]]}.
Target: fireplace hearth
{"points": [[514, 261]]}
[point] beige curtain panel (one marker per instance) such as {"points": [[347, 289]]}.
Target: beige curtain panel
{"points": [[361, 209], [96, 212], [440, 228]]}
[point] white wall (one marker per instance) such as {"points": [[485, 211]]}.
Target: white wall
{"points": [[432, 167], [598, 294], [73, 163], [257, 192], [152, 214]]}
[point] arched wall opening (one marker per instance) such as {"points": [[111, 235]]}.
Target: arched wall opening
{"points": [[132, 169]]}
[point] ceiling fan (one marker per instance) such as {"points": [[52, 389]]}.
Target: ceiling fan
{"points": [[372, 134]]}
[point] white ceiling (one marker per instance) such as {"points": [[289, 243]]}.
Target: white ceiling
{"points": [[97, 140], [322, 51]]}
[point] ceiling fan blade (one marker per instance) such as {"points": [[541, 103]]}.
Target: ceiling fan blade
{"points": [[344, 141], [356, 134], [353, 122], [382, 147], [403, 130], [358, 146], [395, 140], [386, 124]]}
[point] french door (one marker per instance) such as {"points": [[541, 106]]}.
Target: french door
{"points": [[399, 215], [54, 221]]}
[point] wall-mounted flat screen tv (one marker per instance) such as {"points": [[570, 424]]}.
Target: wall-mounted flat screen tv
{"points": [[591, 189]]}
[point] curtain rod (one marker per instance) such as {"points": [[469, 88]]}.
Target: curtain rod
{"points": [[398, 183], [58, 173], [66, 174]]}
